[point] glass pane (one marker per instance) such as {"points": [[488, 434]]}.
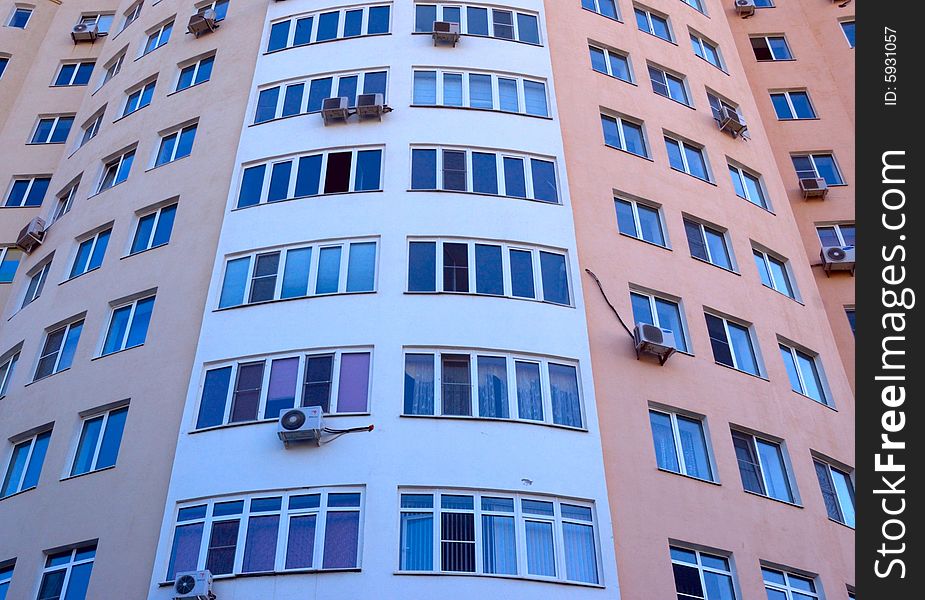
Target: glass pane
{"points": [[642, 309], [687, 582], [488, 272], [634, 139], [279, 36], [140, 321], [522, 285], [353, 23], [419, 384], [544, 180], [666, 454], [424, 17], [484, 173], [626, 221], [282, 387], [347, 88], [422, 266], [452, 89], [251, 186], [117, 328], [455, 267], [498, 545], [327, 26], [763, 269], [260, 544], [492, 382], [340, 540], [694, 448], [112, 439], [184, 554], [317, 92], [749, 469], [456, 388], [164, 226], [295, 273], [378, 20], [529, 391], [78, 581], [811, 380], [791, 366], [369, 165], [650, 224], [309, 176], [423, 169], [457, 553], [580, 555], [417, 541], [669, 317], [480, 92], [454, 170], [515, 183], [845, 491], [719, 255], [246, 395], [425, 88], [214, 396], [301, 544], [742, 348], [222, 545], [353, 386], [361, 267], [775, 473], [508, 99], [719, 587], [292, 103], [477, 20], [566, 403], [318, 376], [328, 270], [541, 556], [696, 163], [781, 279], [555, 278], [235, 281]]}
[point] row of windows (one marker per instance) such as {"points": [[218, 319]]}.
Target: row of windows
{"points": [[66, 573]]}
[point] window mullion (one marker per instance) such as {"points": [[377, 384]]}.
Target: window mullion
{"points": [[243, 524], [732, 354], [264, 389], [99, 441], [320, 528], [679, 451], [229, 398]]}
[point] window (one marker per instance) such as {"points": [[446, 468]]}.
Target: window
{"points": [[176, 145], [300, 97], [100, 438], [484, 172], [624, 134], [811, 166], [19, 18], [263, 388], [90, 253], [128, 325], [849, 313], [480, 90], [847, 28], [717, 105], [7, 368], [67, 574], [696, 5], [6, 575], [708, 244], [153, 229], [732, 344], [653, 23], [747, 186], [792, 105], [537, 537], [65, 201], [661, 312], [707, 50], [91, 127], [774, 272], [701, 575], [762, 466], [25, 464], [781, 585], [37, 278], [686, 157], [641, 221], [764, 3], [322, 172], [288, 531], [771, 48], [58, 351], [219, 6], [836, 235], [158, 37], [113, 67], [116, 171], [611, 62], [480, 21], [837, 492], [4, 61], [668, 85], [681, 444], [27, 191], [331, 25], [607, 8], [52, 130], [139, 98], [74, 73], [10, 257], [195, 73], [300, 272], [805, 373], [496, 269], [103, 21], [492, 386], [132, 14]]}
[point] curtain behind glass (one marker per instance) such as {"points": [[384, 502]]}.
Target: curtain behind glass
{"points": [[493, 387], [419, 384], [580, 557], [417, 542], [566, 405], [529, 391], [541, 555], [498, 545]]}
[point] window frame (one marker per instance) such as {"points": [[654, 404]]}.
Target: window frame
{"points": [[315, 16], [649, 13], [608, 64], [91, 127], [796, 351], [849, 475], [114, 307], [836, 229], [130, 107], [17, 9], [31, 439], [634, 204], [27, 193], [619, 120], [743, 173], [466, 90], [753, 343], [683, 145], [786, 588], [702, 568], [490, 11], [131, 15], [786, 94], [8, 364], [158, 33], [115, 164], [96, 17], [157, 211], [652, 69], [56, 122], [112, 67], [703, 42], [767, 43], [811, 156], [37, 275], [67, 567], [94, 239], [176, 134], [768, 256], [718, 231], [5, 259], [653, 297], [105, 414], [196, 65], [335, 78], [753, 439], [842, 23], [77, 66]]}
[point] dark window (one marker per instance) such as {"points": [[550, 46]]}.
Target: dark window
{"points": [[488, 274], [337, 175], [422, 266], [455, 267], [318, 377]]}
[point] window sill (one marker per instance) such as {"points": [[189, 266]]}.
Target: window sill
{"points": [[498, 576], [486, 195], [783, 120], [691, 477], [69, 85], [117, 352], [484, 37], [784, 502], [45, 143], [698, 178], [79, 475], [731, 368], [775, 60], [608, 75], [616, 19], [279, 300], [845, 525], [484, 110], [46, 377], [676, 101], [340, 39], [823, 404], [284, 200], [225, 426], [496, 420], [127, 115], [80, 274], [645, 241], [19, 493], [642, 156], [164, 164], [230, 576], [143, 251], [189, 87], [107, 189], [706, 262], [23, 206], [477, 295]]}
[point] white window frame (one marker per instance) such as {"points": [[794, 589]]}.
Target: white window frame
{"points": [[841, 25], [31, 179], [38, 275], [4, 255], [836, 228], [91, 127], [812, 159], [173, 133], [608, 52], [68, 568], [335, 78], [619, 119], [703, 42], [651, 31], [140, 89], [95, 237], [741, 173], [4, 62], [76, 66], [723, 102], [16, 8], [767, 42], [56, 351], [697, 5], [701, 568], [787, 589], [684, 144], [157, 212], [159, 33], [490, 13], [128, 324], [131, 15], [634, 204], [113, 67], [105, 414], [315, 15], [15, 443], [665, 74], [849, 474], [756, 351], [727, 243], [7, 370], [56, 120], [95, 18], [652, 296], [201, 7], [768, 256], [795, 350], [65, 201], [196, 64], [495, 90], [785, 463], [116, 165], [597, 10], [792, 109]]}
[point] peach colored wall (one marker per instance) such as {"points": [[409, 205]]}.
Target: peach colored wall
{"points": [[122, 507], [649, 506]]}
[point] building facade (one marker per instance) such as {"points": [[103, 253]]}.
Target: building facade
{"points": [[436, 270]]}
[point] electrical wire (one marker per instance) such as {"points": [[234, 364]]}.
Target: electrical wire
{"points": [[607, 300]]}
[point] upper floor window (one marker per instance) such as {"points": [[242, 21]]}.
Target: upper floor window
{"points": [[132, 14], [330, 25], [90, 253], [67, 574], [323, 172], [116, 170], [611, 62], [37, 277], [530, 536], [841, 234], [128, 326], [641, 221], [4, 61], [607, 8], [788, 586], [708, 244], [732, 344], [10, 257], [263, 388], [811, 166], [805, 373], [219, 6], [153, 229], [774, 272], [849, 314], [653, 23], [661, 312], [92, 127], [481, 21], [687, 157], [6, 575], [718, 105], [792, 105], [25, 465], [52, 129], [495, 173], [702, 575], [176, 145], [7, 368], [747, 186], [764, 3], [75, 73], [445, 383], [27, 191], [771, 47], [100, 438], [195, 73], [762, 466], [103, 22], [707, 50], [113, 67], [20, 17], [681, 444], [480, 90], [837, 492], [696, 5], [65, 200], [58, 351], [624, 134], [139, 98], [496, 269], [308, 96], [847, 28], [311, 529], [669, 85], [298, 272], [158, 37]]}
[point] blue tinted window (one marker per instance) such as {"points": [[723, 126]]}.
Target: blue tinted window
{"points": [[327, 26], [279, 36], [484, 173], [347, 87], [353, 23], [251, 186], [266, 104], [361, 267], [214, 394], [369, 165], [423, 169], [488, 273], [292, 103], [515, 182], [279, 181], [544, 180], [34, 469], [235, 282], [422, 266], [374, 83], [295, 276], [378, 21], [303, 31], [555, 278], [112, 439], [309, 176], [424, 17], [164, 226], [522, 285], [317, 92], [328, 270]]}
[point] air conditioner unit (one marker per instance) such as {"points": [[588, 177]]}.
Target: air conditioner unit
{"points": [[731, 121], [654, 340], [814, 187], [745, 8], [370, 106], [85, 32], [204, 22], [446, 32], [335, 109], [193, 584], [838, 258], [300, 424], [31, 235]]}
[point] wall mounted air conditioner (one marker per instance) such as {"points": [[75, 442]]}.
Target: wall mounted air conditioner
{"points": [[814, 187], [838, 258], [335, 110], [204, 22], [731, 121], [300, 424], [31, 235], [446, 33], [85, 32], [745, 8], [193, 584], [654, 340], [370, 106]]}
